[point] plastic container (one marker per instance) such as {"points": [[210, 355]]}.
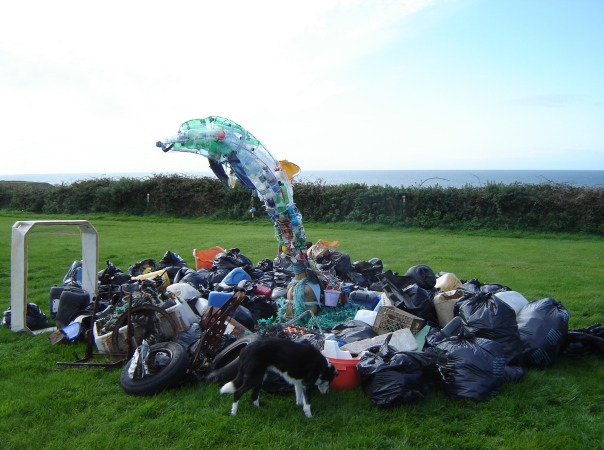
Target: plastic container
{"points": [[512, 298], [447, 282], [163, 273], [217, 299], [103, 341], [331, 349], [184, 291], [236, 275], [55, 296], [332, 297], [365, 298], [205, 258], [444, 303], [183, 315], [202, 306], [71, 301], [366, 316], [347, 376], [263, 290]]}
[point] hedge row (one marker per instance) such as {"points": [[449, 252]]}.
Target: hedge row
{"points": [[531, 207]]}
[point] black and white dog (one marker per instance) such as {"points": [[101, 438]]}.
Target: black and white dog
{"points": [[300, 364]]}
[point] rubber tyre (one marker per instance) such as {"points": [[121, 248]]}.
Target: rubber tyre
{"points": [[167, 377], [226, 363]]}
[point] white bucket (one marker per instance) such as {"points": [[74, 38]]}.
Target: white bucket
{"points": [[332, 297]]}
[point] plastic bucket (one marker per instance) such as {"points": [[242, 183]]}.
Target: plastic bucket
{"points": [[347, 376], [205, 258], [332, 297], [365, 298]]}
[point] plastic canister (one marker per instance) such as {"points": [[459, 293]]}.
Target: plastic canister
{"points": [[366, 316], [444, 303], [447, 282], [514, 299], [55, 296], [202, 306], [184, 291], [217, 299], [72, 300], [364, 297]]}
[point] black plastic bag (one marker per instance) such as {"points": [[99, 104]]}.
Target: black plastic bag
{"points": [[452, 329], [112, 275], [171, 259], [405, 294], [474, 286], [369, 269], [353, 330], [390, 379], [341, 262], [542, 325], [486, 316], [471, 368], [35, 319], [142, 267], [260, 307], [265, 265], [197, 279], [230, 260], [584, 341]]}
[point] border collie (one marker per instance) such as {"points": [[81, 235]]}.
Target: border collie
{"points": [[299, 363]]}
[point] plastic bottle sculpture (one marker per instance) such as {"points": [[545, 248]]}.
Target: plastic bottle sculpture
{"points": [[224, 142]]}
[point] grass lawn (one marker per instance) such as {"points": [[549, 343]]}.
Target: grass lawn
{"points": [[44, 405]]}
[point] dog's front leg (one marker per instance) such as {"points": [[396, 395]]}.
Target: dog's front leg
{"points": [[306, 391], [299, 393]]}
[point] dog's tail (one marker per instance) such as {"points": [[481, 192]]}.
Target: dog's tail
{"points": [[228, 388]]}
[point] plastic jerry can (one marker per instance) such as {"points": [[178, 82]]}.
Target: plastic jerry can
{"points": [[55, 296], [217, 299], [365, 298]]}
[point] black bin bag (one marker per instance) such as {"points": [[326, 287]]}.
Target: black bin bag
{"points": [[488, 317], [471, 368], [353, 330], [391, 379], [543, 325], [584, 341]]}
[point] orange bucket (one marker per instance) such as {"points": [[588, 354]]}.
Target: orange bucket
{"points": [[205, 258], [347, 376]]}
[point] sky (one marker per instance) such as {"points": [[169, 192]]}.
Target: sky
{"points": [[89, 87]]}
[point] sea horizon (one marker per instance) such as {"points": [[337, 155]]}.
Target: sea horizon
{"points": [[395, 178]]}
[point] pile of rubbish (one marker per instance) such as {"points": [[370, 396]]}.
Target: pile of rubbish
{"points": [[396, 336]]}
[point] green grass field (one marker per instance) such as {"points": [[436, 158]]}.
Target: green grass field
{"points": [[45, 405]]}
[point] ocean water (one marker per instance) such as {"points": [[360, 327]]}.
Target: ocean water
{"points": [[397, 178]]}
